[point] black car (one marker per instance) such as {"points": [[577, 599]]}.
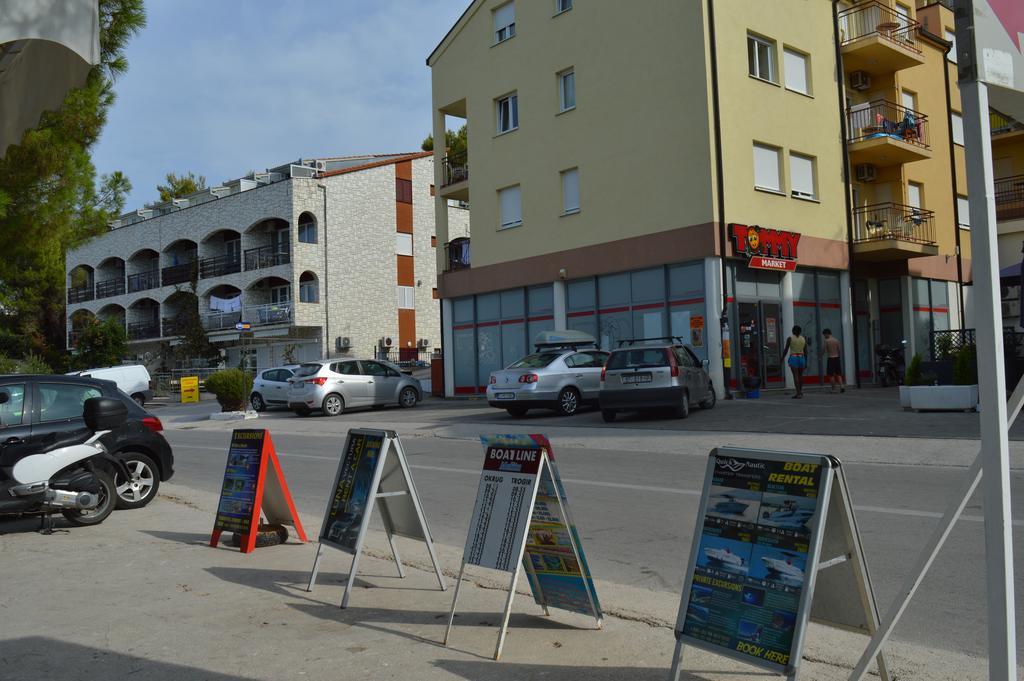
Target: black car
{"points": [[43, 410]]}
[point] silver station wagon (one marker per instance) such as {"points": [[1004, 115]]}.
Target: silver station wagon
{"points": [[334, 385], [563, 374]]}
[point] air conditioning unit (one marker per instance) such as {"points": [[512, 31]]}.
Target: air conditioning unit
{"points": [[343, 343], [866, 172], [423, 343], [387, 342], [860, 81]]}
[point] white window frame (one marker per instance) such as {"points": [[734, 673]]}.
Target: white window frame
{"points": [[570, 177], [506, 31], [309, 289], [963, 211], [511, 101], [502, 194], [950, 36], [918, 188], [403, 243], [956, 122], [283, 294], [795, 173], [406, 297], [754, 69], [789, 66], [562, 6], [778, 168], [569, 73]]}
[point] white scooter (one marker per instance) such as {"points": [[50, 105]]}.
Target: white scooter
{"points": [[75, 480]]}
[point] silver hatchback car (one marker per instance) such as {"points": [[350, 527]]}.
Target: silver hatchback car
{"points": [[334, 385], [270, 387]]}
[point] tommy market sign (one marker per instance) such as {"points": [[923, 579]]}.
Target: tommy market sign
{"points": [[766, 249]]}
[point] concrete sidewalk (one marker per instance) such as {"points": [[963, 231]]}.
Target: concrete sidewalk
{"points": [[143, 597]]}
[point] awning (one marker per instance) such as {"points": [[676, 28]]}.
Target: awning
{"points": [[1012, 272]]}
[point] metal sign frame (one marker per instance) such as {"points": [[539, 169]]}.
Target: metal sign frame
{"points": [[391, 445]]}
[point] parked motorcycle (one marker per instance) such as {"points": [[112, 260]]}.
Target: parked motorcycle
{"points": [[74, 479], [890, 364]]}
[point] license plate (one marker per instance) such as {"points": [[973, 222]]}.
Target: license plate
{"points": [[636, 378], [505, 396]]}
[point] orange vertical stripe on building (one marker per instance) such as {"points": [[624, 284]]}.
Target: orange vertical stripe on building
{"points": [[403, 170], [404, 215], [407, 329], [406, 271]]}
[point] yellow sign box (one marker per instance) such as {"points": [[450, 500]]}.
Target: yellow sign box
{"points": [[189, 389]]}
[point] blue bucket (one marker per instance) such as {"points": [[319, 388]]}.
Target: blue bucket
{"points": [[753, 394]]}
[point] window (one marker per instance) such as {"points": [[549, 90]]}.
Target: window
{"points": [[509, 202], [915, 192], [570, 191], [233, 248], [307, 229], [406, 298], [64, 401], [797, 71], [766, 168], [562, 6], [309, 288], [567, 90], [951, 37], [801, 176], [403, 190], [761, 58], [908, 99], [508, 113], [504, 22], [963, 211], [378, 369], [13, 406], [280, 294], [345, 368], [957, 122], [403, 243]]}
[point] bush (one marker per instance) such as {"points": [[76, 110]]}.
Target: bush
{"points": [[965, 366], [7, 365], [34, 364], [232, 388], [913, 375]]}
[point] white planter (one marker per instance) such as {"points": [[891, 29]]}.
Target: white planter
{"points": [[905, 396], [943, 397], [233, 415]]}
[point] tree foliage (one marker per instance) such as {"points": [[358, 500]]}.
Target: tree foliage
{"points": [[454, 141], [180, 185], [50, 198], [101, 344]]}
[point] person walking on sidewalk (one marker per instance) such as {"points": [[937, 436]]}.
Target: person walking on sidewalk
{"points": [[834, 366], [796, 346]]}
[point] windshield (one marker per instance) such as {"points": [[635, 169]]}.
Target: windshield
{"points": [[536, 361], [638, 358], [308, 369]]}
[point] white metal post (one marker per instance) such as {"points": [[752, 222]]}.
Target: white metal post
{"points": [[455, 601], [316, 566], [995, 447]]}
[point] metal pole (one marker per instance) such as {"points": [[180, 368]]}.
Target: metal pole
{"points": [[508, 607], [677, 661], [316, 566], [995, 447], [394, 552], [455, 600]]}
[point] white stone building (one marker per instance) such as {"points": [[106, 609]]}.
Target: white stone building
{"points": [[322, 257]]}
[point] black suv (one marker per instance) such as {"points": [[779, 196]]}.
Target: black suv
{"points": [[44, 410]]}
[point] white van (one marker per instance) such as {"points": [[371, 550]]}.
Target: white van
{"points": [[132, 379]]}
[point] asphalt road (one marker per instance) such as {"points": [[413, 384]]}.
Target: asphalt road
{"points": [[635, 498]]}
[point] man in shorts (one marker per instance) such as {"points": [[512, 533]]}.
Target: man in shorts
{"points": [[834, 366]]}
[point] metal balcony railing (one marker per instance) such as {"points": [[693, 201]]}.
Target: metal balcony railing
{"points": [[457, 253], [1010, 197], [874, 18], [144, 330], [143, 281], [271, 313], [884, 221], [881, 118], [81, 294], [110, 287], [1001, 123], [455, 168], [177, 274], [220, 265], [219, 321], [266, 256]]}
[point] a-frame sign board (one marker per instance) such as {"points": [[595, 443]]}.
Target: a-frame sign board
{"points": [[776, 545], [521, 519], [248, 490], [372, 472]]}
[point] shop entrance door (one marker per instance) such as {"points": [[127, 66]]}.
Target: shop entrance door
{"points": [[760, 335]]}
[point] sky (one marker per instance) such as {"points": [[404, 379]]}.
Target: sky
{"points": [[220, 88]]}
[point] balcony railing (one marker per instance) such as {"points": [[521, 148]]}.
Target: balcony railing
{"points": [[143, 281], [174, 326], [266, 256], [143, 330], [458, 254], [177, 274], [1001, 123], [110, 287], [271, 313], [219, 321], [81, 294], [1010, 198], [873, 18], [881, 119], [455, 168], [220, 265], [886, 221]]}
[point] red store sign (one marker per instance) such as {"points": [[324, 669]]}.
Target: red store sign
{"points": [[766, 249]]}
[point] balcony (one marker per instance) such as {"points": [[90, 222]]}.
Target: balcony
{"points": [[271, 313], [883, 133], [221, 321], [266, 256], [110, 288], [892, 231], [1010, 198], [177, 274], [81, 294], [878, 40], [143, 281], [457, 254], [174, 326], [218, 266], [143, 330], [455, 176]]}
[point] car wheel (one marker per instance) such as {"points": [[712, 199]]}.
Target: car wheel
{"points": [[140, 399], [683, 410], [334, 404], [712, 398], [302, 412], [143, 486], [108, 499], [257, 402], [568, 401], [517, 412], [408, 397], [608, 415]]}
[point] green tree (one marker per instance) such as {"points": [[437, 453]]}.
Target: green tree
{"points": [[195, 344], [51, 200], [454, 141], [101, 344], [180, 185]]}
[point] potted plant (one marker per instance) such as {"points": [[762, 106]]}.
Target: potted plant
{"points": [[232, 388], [962, 396], [911, 378]]}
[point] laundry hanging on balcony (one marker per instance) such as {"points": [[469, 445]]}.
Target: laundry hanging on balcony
{"points": [[225, 304]]}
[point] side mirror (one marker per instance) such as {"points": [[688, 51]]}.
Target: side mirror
{"points": [[104, 413]]}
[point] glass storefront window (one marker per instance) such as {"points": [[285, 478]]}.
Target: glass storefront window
{"points": [[613, 290], [890, 313], [581, 295]]}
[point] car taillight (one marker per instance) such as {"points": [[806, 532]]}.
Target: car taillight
{"points": [[493, 380], [673, 363], [153, 423], [319, 380], [604, 370], [529, 378]]}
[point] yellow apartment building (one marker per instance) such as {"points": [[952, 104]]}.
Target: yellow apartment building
{"points": [[698, 169]]}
